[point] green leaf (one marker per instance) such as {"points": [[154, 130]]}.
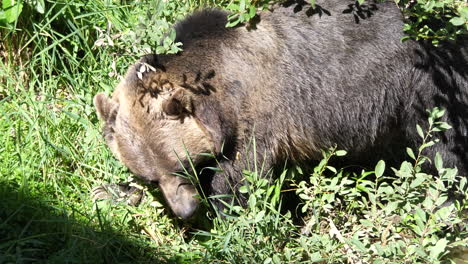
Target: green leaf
{"points": [[428, 203], [438, 162], [312, 3], [359, 245], [457, 21], [262, 182], [276, 259], [405, 38], [438, 248], [441, 200], [242, 5], [252, 201], [233, 7], [420, 226], [380, 168], [315, 257], [416, 182], [340, 153], [410, 153], [420, 131], [321, 164], [299, 170], [172, 35], [39, 5], [462, 183], [443, 213], [244, 189], [332, 169], [420, 252], [252, 11], [444, 126], [426, 145], [12, 9], [463, 12], [429, 6], [2, 16], [160, 50], [417, 228], [259, 216], [437, 112], [366, 222], [233, 23], [380, 251], [421, 214], [214, 169], [333, 182], [372, 198], [385, 188], [362, 188], [304, 196], [390, 208], [450, 174], [245, 17]]}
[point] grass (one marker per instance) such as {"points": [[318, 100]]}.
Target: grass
{"points": [[52, 154]]}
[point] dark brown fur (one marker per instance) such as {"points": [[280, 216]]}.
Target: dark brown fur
{"points": [[301, 81]]}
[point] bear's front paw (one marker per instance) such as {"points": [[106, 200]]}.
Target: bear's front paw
{"points": [[121, 192]]}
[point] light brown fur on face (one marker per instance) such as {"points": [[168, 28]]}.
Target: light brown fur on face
{"points": [[149, 126]]}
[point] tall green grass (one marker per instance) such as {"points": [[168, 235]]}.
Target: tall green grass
{"points": [[52, 154], [52, 151]]}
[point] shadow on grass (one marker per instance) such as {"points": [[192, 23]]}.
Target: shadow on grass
{"points": [[33, 231]]}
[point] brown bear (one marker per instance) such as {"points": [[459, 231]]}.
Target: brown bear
{"points": [[300, 80]]}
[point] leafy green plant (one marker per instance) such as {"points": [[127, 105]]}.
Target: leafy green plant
{"points": [[244, 10], [149, 32], [435, 20], [11, 10], [256, 232], [389, 219]]}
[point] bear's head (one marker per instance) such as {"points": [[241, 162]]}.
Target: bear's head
{"points": [[151, 128]]}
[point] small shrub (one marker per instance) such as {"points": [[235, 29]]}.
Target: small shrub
{"points": [[434, 20], [404, 218], [258, 232], [148, 32]]}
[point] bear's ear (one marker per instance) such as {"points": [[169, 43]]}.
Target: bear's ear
{"points": [[218, 124], [104, 106], [178, 103]]}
